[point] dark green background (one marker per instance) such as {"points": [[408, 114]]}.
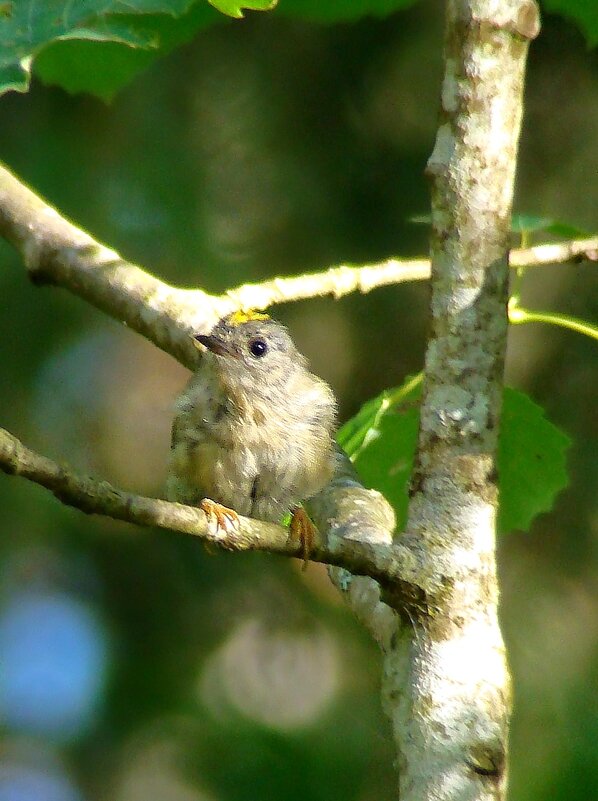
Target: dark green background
{"points": [[265, 147]]}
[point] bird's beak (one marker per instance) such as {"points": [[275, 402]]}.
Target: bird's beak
{"points": [[215, 344]]}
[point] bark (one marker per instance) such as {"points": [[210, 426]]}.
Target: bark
{"points": [[446, 682]]}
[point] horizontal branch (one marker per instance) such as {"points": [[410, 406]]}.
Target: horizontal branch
{"points": [[336, 281], [99, 497], [366, 557], [345, 279], [57, 252], [572, 250]]}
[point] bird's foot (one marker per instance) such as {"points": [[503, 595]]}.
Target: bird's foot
{"points": [[303, 530], [221, 519]]}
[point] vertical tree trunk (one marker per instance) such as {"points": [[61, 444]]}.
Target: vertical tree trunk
{"points": [[446, 682]]}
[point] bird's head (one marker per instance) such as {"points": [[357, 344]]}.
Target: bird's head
{"points": [[251, 348]]}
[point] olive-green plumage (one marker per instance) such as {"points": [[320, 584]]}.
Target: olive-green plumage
{"points": [[253, 429]]}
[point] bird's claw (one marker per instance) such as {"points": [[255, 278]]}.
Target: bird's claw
{"points": [[303, 530], [221, 519]]}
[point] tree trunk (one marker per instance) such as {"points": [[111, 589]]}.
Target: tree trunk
{"points": [[446, 684]]}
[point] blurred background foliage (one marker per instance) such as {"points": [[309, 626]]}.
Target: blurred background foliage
{"points": [[134, 665]]}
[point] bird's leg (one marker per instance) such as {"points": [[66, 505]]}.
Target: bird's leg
{"points": [[220, 518], [303, 530]]}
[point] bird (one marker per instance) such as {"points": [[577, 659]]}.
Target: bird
{"points": [[253, 430]]}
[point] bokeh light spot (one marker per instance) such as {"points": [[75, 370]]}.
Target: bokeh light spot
{"points": [[54, 656], [281, 678]]}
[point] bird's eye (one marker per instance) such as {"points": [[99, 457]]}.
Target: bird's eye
{"points": [[258, 347]]}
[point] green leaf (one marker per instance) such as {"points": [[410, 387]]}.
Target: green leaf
{"points": [[26, 28], [232, 8], [360, 429], [380, 441], [583, 12], [103, 68], [532, 465], [92, 46], [382, 437], [567, 231], [529, 223]]}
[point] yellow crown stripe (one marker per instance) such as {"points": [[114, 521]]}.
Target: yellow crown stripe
{"points": [[249, 316]]}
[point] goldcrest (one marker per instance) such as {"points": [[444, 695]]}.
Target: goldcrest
{"points": [[253, 429]]}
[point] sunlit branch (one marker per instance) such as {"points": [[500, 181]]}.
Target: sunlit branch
{"points": [[335, 281], [345, 279], [571, 250], [57, 252]]}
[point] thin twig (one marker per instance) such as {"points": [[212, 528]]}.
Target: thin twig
{"points": [[572, 250], [343, 279], [336, 281]]}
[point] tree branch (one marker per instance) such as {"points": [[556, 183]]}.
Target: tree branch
{"points": [[335, 281], [343, 279], [99, 497], [367, 555], [572, 250], [57, 252]]}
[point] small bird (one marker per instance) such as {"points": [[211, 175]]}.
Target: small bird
{"points": [[253, 429]]}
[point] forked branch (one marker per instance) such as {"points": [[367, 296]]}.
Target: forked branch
{"points": [[57, 252]]}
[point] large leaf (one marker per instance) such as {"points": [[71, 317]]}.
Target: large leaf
{"points": [[98, 46], [532, 464], [104, 30], [104, 67], [382, 437], [381, 440], [26, 26], [529, 223]]}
